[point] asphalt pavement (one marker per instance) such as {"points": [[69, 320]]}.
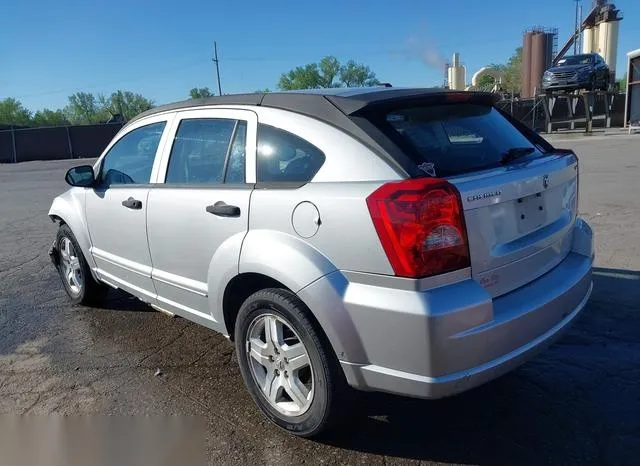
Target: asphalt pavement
{"points": [[576, 403]]}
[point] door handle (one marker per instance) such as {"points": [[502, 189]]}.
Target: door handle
{"points": [[132, 203], [224, 210]]}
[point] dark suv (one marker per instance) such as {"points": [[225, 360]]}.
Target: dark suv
{"points": [[587, 71]]}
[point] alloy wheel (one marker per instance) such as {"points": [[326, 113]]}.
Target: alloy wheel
{"points": [[280, 365], [70, 264]]}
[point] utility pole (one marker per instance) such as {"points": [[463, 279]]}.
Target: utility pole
{"points": [[577, 29], [580, 35], [215, 60]]}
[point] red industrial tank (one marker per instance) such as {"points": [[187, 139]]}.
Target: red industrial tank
{"points": [[539, 51], [526, 65]]}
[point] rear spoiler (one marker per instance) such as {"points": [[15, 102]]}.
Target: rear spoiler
{"points": [[353, 107]]}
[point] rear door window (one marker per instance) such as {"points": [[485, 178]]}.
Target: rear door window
{"points": [[199, 151], [455, 138]]}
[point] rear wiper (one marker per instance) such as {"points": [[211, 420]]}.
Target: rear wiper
{"points": [[515, 153]]}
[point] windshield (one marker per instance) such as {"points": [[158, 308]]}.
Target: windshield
{"points": [[576, 60], [457, 138]]}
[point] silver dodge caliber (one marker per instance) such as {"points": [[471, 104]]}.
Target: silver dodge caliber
{"points": [[411, 241]]}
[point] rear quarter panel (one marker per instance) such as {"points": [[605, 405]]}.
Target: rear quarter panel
{"points": [[330, 213], [345, 235]]}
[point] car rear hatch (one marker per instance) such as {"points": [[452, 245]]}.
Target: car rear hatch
{"points": [[519, 220], [518, 194]]}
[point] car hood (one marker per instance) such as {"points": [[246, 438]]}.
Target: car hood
{"points": [[565, 68]]}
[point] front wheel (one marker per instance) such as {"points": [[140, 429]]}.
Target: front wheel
{"points": [[74, 271], [287, 365]]}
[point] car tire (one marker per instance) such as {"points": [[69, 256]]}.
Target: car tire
{"points": [[305, 401], [74, 270]]}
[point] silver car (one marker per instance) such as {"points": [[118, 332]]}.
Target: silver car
{"points": [[410, 241]]}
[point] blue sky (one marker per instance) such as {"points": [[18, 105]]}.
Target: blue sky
{"points": [[163, 48]]}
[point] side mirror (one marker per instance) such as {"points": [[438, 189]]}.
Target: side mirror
{"points": [[82, 176]]}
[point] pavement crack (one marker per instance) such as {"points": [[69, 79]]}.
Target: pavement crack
{"points": [[21, 264], [33, 405], [161, 347]]}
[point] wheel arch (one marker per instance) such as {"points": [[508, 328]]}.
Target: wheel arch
{"points": [[238, 290], [242, 286], [259, 257], [67, 209], [271, 259]]}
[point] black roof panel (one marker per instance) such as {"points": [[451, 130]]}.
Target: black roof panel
{"points": [[308, 101]]}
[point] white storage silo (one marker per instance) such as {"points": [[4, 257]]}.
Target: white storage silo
{"points": [[456, 74], [608, 42], [589, 34]]}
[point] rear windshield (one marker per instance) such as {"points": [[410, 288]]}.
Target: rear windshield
{"points": [[457, 138]]}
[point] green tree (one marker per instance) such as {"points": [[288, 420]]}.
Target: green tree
{"points": [[200, 93], [328, 73], [125, 103], [485, 82], [12, 112], [83, 108], [48, 117], [301, 77], [621, 84], [511, 74], [354, 75], [488, 82], [512, 79], [329, 68]]}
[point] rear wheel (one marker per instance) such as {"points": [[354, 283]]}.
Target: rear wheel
{"points": [[74, 271], [287, 364]]}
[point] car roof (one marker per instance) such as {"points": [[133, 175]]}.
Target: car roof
{"points": [[319, 103], [336, 107]]}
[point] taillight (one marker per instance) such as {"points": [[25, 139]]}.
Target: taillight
{"points": [[420, 224]]}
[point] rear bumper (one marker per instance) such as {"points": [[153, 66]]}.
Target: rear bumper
{"points": [[436, 343], [372, 377]]}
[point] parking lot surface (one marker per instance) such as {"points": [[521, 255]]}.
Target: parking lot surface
{"points": [[577, 403]]}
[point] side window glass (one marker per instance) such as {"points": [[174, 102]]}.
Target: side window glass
{"points": [[130, 160], [199, 151], [236, 164], [283, 156]]}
